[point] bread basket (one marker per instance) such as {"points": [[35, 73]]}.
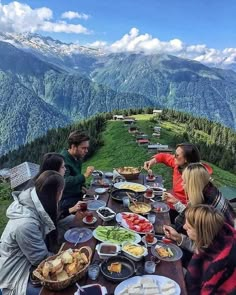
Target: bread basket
{"points": [[59, 285], [129, 173]]}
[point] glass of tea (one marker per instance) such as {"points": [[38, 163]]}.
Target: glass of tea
{"points": [[149, 237], [83, 207], [89, 217], [149, 192]]}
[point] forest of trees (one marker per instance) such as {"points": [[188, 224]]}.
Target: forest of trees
{"points": [[217, 144], [55, 140], [220, 146]]}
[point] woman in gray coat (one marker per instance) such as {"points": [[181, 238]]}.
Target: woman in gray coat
{"points": [[32, 217]]}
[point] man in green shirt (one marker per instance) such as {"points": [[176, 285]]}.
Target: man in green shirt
{"points": [[74, 179]]}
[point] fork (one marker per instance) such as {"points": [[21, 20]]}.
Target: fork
{"points": [[96, 197], [80, 288], [79, 238]]}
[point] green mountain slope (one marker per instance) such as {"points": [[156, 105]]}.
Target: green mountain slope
{"points": [[172, 82], [36, 96], [120, 149]]}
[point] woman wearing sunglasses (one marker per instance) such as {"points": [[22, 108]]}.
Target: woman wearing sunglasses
{"points": [[185, 154]]}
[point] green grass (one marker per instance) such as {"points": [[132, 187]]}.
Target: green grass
{"points": [[5, 201], [120, 149]]}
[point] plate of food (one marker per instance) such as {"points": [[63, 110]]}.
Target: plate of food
{"points": [[166, 252], [137, 187], [117, 268], [116, 235], [134, 222], [148, 284], [140, 207]]}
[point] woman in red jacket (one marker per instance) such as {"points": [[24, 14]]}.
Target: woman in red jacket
{"points": [[185, 154]]}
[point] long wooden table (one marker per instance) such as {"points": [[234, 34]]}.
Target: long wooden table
{"points": [[173, 270]]}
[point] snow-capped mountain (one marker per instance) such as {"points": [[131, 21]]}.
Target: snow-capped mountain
{"points": [[69, 56], [46, 45]]}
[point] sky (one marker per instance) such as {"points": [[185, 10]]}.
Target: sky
{"points": [[204, 30]]}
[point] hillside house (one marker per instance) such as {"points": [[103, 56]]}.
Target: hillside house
{"points": [[142, 141], [156, 112], [118, 117], [20, 174], [5, 174], [159, 147], [129, 121], [156, 134], [141, 136], [157, 129]]}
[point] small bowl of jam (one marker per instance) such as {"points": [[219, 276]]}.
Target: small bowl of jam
{"points": [[106, 250]]}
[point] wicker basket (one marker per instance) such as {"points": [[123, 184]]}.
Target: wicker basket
{"points": [[128, 175], [59, 285]]}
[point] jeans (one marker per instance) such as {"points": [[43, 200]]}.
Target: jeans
{"points": [[31, 290]]}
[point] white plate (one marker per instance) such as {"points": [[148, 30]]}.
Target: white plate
{"points": [[137, 237], [120, 219], [92, 222], [94, 205], [134, 280], [100, 190], [122, 185]]}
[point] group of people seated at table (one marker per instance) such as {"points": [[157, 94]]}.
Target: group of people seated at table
{"points": [[203, 223], [202, 219]]}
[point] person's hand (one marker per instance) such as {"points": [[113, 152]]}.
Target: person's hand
{"points": [[171, 233], [75, 208], [148, 164], [88, 171], [170, 198]]}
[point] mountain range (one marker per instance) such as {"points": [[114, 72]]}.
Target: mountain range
{"points": [[45, 83]]}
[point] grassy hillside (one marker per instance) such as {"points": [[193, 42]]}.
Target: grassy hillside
{"points": [[5, 200], [120, 149]]}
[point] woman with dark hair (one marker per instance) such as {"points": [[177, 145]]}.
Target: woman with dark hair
{"points": [[52, 161], [212, 269], [185, 154], [55, 161], [32, 217]]}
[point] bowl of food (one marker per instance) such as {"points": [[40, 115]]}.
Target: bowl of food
{"points": [[129, 173], [106, 214], [106, 250], [134, 251], [140, 207]]}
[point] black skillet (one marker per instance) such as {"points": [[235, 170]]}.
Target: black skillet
{"points": [[127, 268], [119, 194]]}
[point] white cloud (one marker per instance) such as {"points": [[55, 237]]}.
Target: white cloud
{"points": [[18, 17], [73, 14], [63, 27], [136, 42]]}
